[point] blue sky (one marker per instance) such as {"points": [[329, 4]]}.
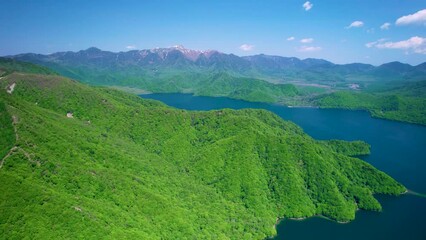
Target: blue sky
{"points": [[342, 31]]}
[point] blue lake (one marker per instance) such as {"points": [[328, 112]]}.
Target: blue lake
{"points": [[399, 149]]}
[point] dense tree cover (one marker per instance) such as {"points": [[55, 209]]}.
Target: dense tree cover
{"points": [[354, 148], [245, 88], [7, 135], [169, 80], [407, 103], [216, 84], [125, 167]]}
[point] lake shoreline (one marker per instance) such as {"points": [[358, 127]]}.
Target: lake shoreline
{"points": [[370, 112], [396, 147]]}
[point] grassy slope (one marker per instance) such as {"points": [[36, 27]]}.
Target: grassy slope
{"points": [[125, 167]]}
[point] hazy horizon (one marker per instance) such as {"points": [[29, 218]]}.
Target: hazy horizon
{"points": [[373, 32]]}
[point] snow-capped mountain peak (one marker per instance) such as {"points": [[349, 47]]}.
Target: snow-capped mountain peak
{"points": [[190, 54]]}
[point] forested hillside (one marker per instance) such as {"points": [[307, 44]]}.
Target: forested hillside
{"points": [[91, 162], [405, 103]]}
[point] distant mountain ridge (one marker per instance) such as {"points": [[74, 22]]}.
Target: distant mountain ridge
{"points": [[267, 67], [194, 55]]}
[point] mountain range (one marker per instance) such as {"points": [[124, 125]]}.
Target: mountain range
{"points": [[177, 59]]}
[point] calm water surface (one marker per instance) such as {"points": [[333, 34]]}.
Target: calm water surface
{"points": [[398, 149]]}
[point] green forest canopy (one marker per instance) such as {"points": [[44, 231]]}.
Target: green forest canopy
{"points": [[125, 167]]}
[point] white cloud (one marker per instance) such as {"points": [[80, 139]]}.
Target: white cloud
{"points": [[385, 26], [415, 18], [356, 24], [307, 40], [307, 6], [309, 49], [290, 38], [131, 47], [372, 44], [247, 47], [414, 44]]}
